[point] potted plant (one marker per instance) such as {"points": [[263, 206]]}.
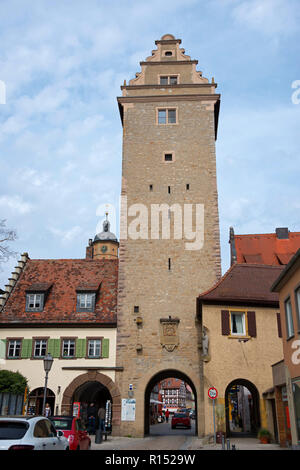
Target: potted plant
{"points": [[264, 436]]}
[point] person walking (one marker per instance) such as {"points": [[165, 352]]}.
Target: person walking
{"points": [[91, 413], [167, 414], [47, 411], [101, 416]]}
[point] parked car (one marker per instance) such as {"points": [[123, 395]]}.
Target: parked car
{"points": [[30, 433], [181, 419], [74, 430], [193, 414]]}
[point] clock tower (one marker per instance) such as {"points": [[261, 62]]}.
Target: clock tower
{"points": [[105, 244]]}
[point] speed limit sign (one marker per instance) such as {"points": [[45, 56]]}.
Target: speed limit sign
{"points": [[212, 393]]}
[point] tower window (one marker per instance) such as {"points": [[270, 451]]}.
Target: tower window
{"points": [[136, 309], [169, 264], [168, 53], [168, 79], [151, 187], [169, 189], [167, 116], [168, 157], [187, 187]]}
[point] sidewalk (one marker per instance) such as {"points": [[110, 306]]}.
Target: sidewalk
{"points": [[177, 443]]}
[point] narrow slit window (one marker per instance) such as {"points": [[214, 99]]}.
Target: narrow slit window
{"points": [[187, 187], [151, 187], [169, 189], [169, 264]]}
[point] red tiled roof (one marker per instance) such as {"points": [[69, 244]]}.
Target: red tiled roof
{"points": [[64, 276], [248, 283], [266, 248]]}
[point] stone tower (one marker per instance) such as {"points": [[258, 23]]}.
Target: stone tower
{"points": [[169, 226]]}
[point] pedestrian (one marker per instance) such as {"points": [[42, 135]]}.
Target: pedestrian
{"points": [[91, 413], [167, 414], [101, 416], [47, 411]]}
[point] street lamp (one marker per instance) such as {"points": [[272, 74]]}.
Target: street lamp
{"points": [[48, 361]]}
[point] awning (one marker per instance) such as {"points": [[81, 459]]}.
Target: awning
{"points": [[156, 402]]}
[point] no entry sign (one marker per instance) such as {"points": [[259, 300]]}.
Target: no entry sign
{"points": [[212, 393]]}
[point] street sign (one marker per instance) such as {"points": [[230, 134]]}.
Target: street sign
{"points": [[212, 393]]}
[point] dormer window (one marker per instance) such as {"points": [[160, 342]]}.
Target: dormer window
{"points": [[86, 301], [168, 53], [35, 302]]}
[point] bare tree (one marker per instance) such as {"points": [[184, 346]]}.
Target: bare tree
{"points": [[6, 235]]}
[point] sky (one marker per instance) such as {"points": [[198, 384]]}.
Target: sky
{"points": [[62, 63]]}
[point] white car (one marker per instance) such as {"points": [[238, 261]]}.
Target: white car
{"points": [[30, 433]]}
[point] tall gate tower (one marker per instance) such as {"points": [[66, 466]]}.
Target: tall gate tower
{"points": [[169, 228]]}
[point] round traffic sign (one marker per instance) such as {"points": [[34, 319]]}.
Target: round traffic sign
{"points": [[212, 393]]}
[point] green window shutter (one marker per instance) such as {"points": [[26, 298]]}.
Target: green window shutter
{"points": [[2, 348], [54, 347], [105, 347], [26, 348], [80, 347]]}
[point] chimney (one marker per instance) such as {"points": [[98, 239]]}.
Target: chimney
{"points": [[282, 233]]}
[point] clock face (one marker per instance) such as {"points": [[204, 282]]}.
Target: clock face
{"points": [[103, 248]]}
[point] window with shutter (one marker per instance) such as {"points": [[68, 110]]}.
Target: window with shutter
{"points": [[2, 348], [225, 324], [279, 325], [251, 320], [26, 348], [80, 347], [105, 348], [54, 347]]}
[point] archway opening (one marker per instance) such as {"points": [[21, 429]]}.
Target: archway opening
{"points": [[91, 396], [170, 394], [242, 409], [35, 401]]}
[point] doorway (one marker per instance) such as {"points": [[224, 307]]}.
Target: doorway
{"points": [[242, 409]]}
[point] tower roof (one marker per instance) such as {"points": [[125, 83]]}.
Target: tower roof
{"points": [[106, 234]]}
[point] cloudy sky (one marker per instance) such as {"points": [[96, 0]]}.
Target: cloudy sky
{"points": [[62, 63]]}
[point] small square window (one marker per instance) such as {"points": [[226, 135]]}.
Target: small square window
{"points": [[168, 157], [173, 80], [136, 309]]}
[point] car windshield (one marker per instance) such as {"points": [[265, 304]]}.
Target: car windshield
{"points": [[12, 430], [180, 415], [62, 423]]}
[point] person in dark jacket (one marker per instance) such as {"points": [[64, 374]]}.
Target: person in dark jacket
{"points": [[91, 413]]}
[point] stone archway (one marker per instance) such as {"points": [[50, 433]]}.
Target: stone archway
{"points": [[164, 374], [254, 413], [94, 376]]}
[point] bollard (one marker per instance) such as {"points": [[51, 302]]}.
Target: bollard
{"points": [[233, 447], [98, 436], [223, 442], [228, 444]]}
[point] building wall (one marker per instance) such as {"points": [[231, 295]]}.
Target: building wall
{"points": [[33, 369], [290, 347], [230, 359]]}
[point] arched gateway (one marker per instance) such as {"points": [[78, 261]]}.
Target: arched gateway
{"points": [[160, 376], [89, 385], [169, 226]]}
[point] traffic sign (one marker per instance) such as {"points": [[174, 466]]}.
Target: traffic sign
{"points": [[212, 393]]}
